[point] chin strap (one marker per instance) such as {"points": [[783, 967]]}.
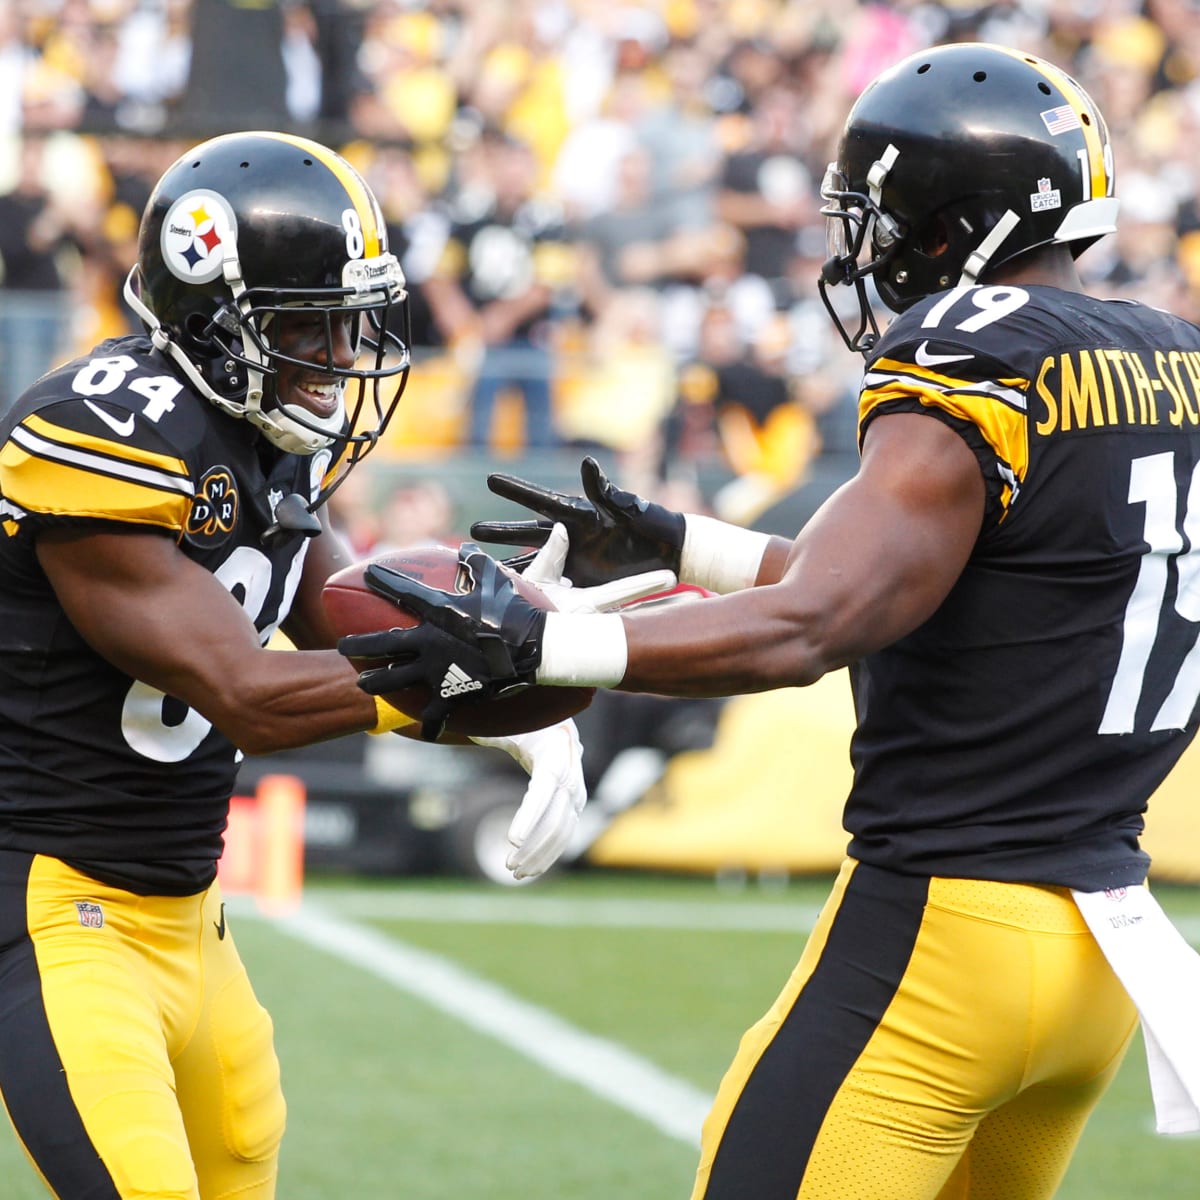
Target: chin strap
{"points": [[978, 259], [165, 344]]}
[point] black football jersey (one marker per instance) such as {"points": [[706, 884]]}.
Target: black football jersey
{"points": [[496, 255], [1018, 733], [97, 768]]}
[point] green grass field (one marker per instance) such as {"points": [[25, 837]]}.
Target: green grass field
{"points": [[442, 1039]]}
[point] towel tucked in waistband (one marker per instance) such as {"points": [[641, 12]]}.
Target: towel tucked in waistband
{"points": [[1161, 973]]}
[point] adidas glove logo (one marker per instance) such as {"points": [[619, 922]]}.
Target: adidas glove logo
{"points": [[456, 681]]}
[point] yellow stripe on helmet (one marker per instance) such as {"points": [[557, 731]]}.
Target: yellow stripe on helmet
{"points": [[1095, 133], [360, 195]]}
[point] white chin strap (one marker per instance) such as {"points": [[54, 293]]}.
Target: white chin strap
{"points": [[983, 254], [293, 429]]}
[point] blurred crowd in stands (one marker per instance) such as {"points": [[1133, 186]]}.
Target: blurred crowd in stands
{"points": [[607, 212]]}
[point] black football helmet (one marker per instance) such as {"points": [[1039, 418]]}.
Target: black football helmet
{"points": [[953, 162], [249, 225]]}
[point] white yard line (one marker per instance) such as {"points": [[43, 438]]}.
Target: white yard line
{"points": [[605, 1068], [523, 908], [608, 1070]]}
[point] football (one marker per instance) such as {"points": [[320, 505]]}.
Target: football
{"points": [[353, 608]]}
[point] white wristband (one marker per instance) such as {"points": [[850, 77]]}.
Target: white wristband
{"points": [[583, 650], [718, 556]]}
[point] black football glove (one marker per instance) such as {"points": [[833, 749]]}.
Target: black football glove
{"points": [[613, 533], [467, 646]]}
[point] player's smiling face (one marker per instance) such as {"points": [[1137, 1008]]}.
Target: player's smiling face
{"points": [[302, 335]]}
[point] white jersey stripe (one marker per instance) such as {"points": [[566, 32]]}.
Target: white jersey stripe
{"points": [[114, 467], [985, 390]]}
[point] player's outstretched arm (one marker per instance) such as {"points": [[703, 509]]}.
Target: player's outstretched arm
{"points": [[615, 533], [163, 619], [874, 563]]}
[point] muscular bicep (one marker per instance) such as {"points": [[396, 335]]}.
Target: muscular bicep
{"points": [[161, 618], [873, 563], [146, 608], [885, 552]]}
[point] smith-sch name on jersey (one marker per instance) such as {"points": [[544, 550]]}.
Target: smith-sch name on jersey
{"points": [[1102, 388]]}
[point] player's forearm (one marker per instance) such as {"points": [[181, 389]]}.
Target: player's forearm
{"points": [[698, 649], [280, 699], [703, 649]]}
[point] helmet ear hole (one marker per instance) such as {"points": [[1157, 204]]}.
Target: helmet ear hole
{"points": [[933, 238], [196, 329]]}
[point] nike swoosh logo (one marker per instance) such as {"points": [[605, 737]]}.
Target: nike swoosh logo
{"points": [[219, 926], [925, 359], [120, 428]]}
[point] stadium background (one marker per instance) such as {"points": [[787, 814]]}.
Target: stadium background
{"points": [[642, 179], [575, 1028]]}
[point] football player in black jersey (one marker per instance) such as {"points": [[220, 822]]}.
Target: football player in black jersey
{"points": [[161, 515], [1009, 579]]}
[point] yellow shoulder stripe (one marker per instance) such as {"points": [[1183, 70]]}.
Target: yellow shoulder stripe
{"points": [[996, 409], [47, 469]]}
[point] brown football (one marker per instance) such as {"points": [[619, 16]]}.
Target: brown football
{"points": [[353, 608]]}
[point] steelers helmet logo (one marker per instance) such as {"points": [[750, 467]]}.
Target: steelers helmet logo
{"points": [[196, 232], [214, 509]]}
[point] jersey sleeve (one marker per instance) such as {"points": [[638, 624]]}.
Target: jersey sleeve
{"points": [[975, 395], [78, 460]]}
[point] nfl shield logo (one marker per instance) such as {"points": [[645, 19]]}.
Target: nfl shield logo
{"points": [[91, 916]]}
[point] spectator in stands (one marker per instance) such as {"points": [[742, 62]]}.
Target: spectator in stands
{"points": [[411, 96], [630, 242], [681, 136], [738, 400], [635, 243], [237, 78], [587, 170], [418, 512], [625, 381], [752, 68], [504, 274], [155, 48], [512, 80], [338, 32], [35, 232], [766, 190]]}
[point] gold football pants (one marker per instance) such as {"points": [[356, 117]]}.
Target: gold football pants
{"points": [[135, 1060], [940, 1039]]}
